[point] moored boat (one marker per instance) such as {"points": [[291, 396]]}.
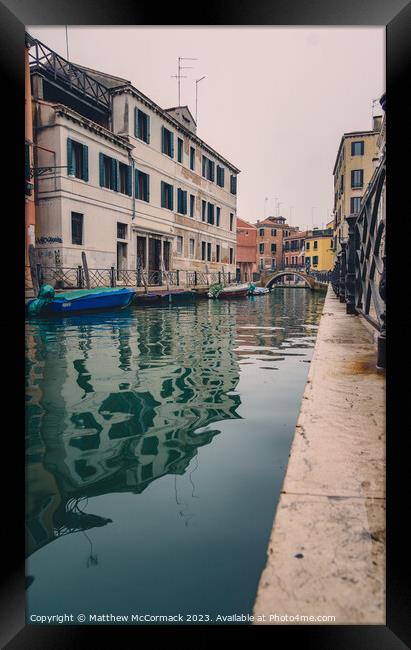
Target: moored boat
{"points": [[258, 291], [232, 291], [81, 300]]}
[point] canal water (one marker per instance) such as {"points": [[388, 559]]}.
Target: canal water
{"points": [[157, 441]]}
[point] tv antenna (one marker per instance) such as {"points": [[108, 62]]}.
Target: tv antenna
{"points": [[197, 82], [179, 76]]}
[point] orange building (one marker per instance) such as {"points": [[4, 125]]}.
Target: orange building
{"points": [[294, 250], [246, 250], [270, 236], [30, 216]]}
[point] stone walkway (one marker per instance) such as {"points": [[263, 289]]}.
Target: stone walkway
{"points": [[326, 555]]}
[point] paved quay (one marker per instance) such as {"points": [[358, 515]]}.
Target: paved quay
{"points": [[326, 554]]}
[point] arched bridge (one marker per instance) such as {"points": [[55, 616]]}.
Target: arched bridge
{"points": [[270, 279]]}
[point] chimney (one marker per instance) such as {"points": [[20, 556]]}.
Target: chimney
{"points": [[376, 122]]}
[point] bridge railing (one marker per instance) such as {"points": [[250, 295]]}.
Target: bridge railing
{"points": [[358, 277]]}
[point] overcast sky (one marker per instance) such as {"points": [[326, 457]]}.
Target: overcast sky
{"points": [[275, 100]]}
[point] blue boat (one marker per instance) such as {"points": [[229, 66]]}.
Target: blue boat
{"points": [[80, 300]]}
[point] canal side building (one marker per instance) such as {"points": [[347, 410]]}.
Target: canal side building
{"points": [[294, 249], [270, 236], [131, 184], [353, 169], [246, 250], [319, 249]]}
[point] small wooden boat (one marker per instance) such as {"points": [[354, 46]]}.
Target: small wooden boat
{"points": [[67, 302], [157, 297], [258, 291], [232, 291]]}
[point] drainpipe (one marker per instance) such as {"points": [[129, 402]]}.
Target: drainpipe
{"points": [[133, 189]]}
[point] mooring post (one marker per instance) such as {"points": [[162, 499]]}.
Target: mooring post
{"points": [[350, 276]]}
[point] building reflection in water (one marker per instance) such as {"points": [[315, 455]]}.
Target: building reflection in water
{"points": [[114, 403]]}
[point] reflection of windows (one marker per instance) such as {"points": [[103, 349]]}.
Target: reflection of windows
{"points": [[77, 228]]}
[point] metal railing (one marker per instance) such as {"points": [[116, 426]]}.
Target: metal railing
{"points": [[358, 277], [323, 277]]}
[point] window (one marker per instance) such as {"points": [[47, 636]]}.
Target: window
{"points": [[231, 220], [315, 260], [273, 263], [273, 232], [218, 253], [181, 201], [261, 232], [192, 205], [210, 213], [208, 252], [203, 210], [141, 125], [208, 168], [77, 228], [357, 177], [220, 176], [142, 188], [315, 245], [166, 195], [355, 203], [342, 184], [357, 148], [286, 233], [179, 244], [307, 246], [231, 255], [124, 172], [191, 247], [203, 250], [217, 216], [179, 150], [77, 159], [121, 230], [108, 172], [261, 248], [273, 248], [233, 184], [167, 142], [262, 263], [192, 158]]}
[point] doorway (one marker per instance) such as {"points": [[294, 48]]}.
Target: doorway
{"points": [[121, 258]]}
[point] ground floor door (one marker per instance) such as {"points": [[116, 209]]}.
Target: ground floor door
{"points": [[141, 253], [167, 247]]}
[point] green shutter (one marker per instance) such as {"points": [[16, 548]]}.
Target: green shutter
{"points": [[129, 187], [163, 141], [147, 187], [136, 121], [85, 162], [101, 168], [70, 161], [114, 174], [185, 202], [163, 195], [171, 196], [136, 184], [172, 144]]}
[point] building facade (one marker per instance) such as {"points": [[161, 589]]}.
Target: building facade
{"points": [[270, 237], [354, 166], [246, 250], [133, 185], [294, 250], [319, 249]]}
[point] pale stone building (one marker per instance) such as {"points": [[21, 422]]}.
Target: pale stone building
{"points": [[353, 169], [129, 183]]}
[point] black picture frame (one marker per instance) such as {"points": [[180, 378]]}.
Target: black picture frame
{"points": [[14, 15]]}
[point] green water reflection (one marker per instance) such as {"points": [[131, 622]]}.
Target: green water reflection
{"points": [[157, 441]]}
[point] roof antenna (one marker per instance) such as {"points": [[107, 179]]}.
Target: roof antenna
{"points": [[179, 76], [197, 82]]}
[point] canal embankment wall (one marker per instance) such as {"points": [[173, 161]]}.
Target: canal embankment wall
{"points": [[326, 554]]}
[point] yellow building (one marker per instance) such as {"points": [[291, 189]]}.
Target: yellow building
{"points": [[353, 169], [319, 249]]}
